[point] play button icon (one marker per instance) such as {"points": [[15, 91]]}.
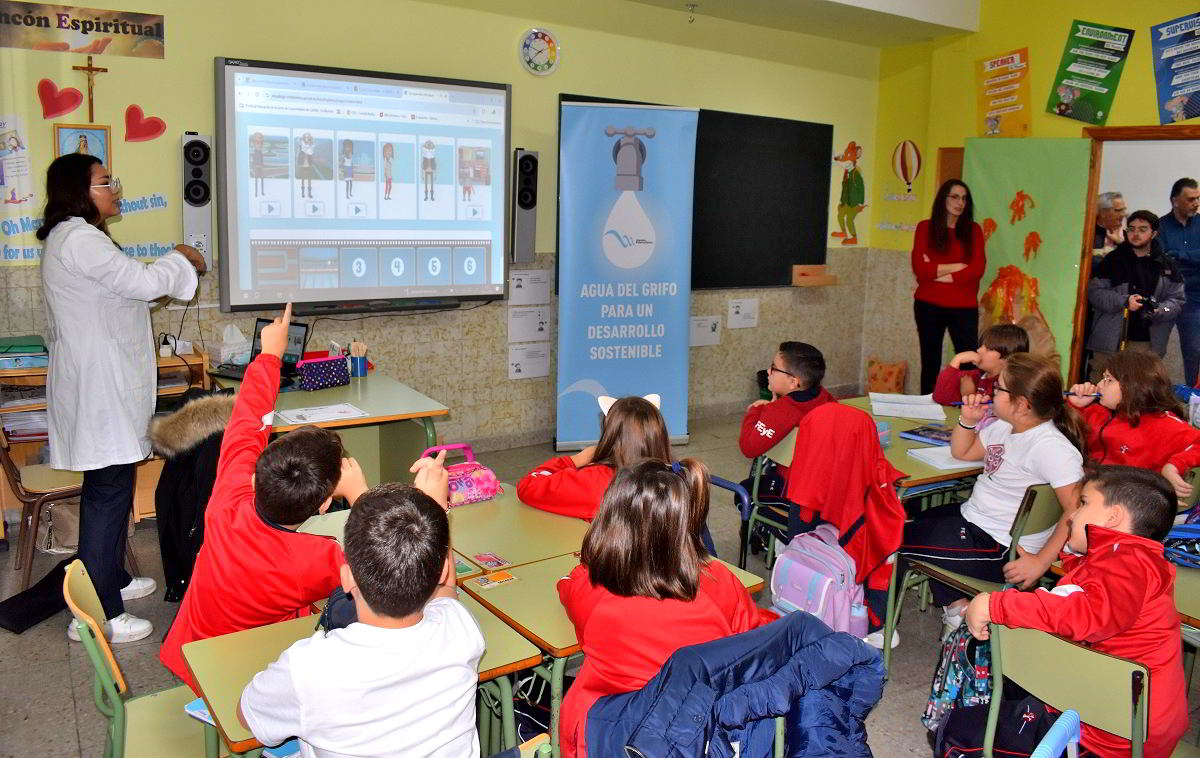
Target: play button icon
{"points": [[357, 209]]}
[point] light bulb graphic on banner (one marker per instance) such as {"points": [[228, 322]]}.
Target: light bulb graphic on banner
{"points": [[629, 237]]}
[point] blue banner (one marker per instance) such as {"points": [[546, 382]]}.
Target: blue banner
{"points": [[624, 262], [1175, 46]]}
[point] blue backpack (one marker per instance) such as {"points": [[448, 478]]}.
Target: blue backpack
{"points": [[1182, 545], [963, 677]]}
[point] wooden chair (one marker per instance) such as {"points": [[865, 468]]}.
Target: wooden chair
{"points": [[1109, 693], [34, 485], [150, 725], [1039, 510]]}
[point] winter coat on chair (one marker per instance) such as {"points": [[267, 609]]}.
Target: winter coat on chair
{"points": [[190, 440], [730, 690], [840, 474]]}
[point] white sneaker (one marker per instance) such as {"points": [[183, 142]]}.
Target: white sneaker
{"points": [[139, 586], [123, 628], [950, 622], [875, 639]]}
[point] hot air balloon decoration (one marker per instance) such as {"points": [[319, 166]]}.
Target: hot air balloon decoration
{"points": [[906, 162]]}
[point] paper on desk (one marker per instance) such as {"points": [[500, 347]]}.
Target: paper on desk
{"points": [[906, 406], [939, 457], [318, 414]]}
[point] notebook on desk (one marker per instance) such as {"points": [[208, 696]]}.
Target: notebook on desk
{"points": [[297, 338]]}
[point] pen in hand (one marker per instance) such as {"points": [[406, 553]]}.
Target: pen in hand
{"points": [[1096, 395]]}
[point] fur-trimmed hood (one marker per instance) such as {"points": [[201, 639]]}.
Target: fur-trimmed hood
{"points": [[190, 425]]}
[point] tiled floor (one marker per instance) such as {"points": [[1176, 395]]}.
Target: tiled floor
{"points": [[46, 707]]}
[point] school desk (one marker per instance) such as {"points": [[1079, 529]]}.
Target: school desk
{"points": [[919, 473], [503, 525], [398, 426], [531, 606], [223, 666]]}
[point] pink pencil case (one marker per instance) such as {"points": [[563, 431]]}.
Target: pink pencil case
{"points": [[322, 373], [470, 482]]}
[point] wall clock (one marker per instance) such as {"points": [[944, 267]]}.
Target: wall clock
{"points": [[539, 52]]}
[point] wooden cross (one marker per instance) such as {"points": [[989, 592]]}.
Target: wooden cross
{"points": [[91, 72]]}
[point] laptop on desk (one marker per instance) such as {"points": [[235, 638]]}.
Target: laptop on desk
{"points": [[293, 353]]}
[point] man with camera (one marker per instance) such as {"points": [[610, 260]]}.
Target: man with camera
{"points": [[1136, 293]]}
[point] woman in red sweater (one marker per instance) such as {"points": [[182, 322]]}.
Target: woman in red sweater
{"points": [[948, 261], [573, 485], [631, 615], [1136, 420]]}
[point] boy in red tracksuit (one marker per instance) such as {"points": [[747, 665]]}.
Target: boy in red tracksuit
{"points": [[1118, 597], [995, 345], [254, 568]]}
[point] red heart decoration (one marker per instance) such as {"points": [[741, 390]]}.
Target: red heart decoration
{"points": [[56, 102], [140, 127]]}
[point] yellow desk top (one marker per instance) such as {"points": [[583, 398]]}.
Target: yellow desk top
{"points": [[897, 452], [531, 605], [381, 397], [223, 666], [503, 525]]}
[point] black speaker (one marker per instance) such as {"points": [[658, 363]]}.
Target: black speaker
{"points": [[524, 204], [197, 193]]}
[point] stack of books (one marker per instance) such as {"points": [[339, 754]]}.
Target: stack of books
{"points": [[26, 426]]}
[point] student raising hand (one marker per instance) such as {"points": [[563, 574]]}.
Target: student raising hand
{"points": [[432, 479], [274, 336]]}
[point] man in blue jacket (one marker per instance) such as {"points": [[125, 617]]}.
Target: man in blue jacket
{"points": [[1179, 235]]}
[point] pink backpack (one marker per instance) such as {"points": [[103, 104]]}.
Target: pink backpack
{"points": [[470, 482], [814, 574]]}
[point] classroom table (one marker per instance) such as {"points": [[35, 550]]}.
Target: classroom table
{"points": [[919, 473], [398, 426], [531, 606], [503, 525], [223, 666]]}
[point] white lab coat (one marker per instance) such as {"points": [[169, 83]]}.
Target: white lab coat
{"points": [[102, 380]]}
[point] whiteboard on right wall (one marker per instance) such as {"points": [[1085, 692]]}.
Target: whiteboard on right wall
{"points": [[1143, 171]]}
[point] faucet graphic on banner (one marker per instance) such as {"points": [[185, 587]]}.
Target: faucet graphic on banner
{"points": [[628, 238]]}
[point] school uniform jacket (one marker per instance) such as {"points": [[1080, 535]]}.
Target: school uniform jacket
{"points": [[250, 572], [947, 389], [626, 640], [764, 426], [1158, 439], [1118, 599], [560, 487]]}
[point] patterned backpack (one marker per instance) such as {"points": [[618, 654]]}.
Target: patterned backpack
{"points": [[963, 677]]}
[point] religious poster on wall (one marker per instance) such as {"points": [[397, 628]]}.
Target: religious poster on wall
{"points": [[1004, 102], [1092, 62], [1175, 47], [90, 31]]}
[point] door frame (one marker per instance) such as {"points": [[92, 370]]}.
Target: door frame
{"points": [[1099, 135]]}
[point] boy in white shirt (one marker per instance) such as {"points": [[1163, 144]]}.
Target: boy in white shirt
{"points": [[402, 679]]}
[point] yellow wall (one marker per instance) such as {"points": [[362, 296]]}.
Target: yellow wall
{"points": [[946, 110], [903, 114], [612, 48]]}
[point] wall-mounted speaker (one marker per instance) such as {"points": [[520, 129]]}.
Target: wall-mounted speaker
{"points": [[524, 204], [197, 194]]}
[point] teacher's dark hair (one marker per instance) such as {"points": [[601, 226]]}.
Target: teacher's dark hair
{"points": [[68, 192], [939, 231]]}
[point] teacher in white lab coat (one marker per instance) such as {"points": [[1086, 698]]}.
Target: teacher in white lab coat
{"points": [[102, 380]]}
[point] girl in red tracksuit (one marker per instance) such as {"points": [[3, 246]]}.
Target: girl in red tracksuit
{"points": [[630, 616], [573, 485], [1137, 421]]}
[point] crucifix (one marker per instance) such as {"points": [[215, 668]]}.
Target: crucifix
{"points": [[91, 72]]}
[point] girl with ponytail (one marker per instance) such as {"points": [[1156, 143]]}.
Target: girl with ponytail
{"points": [[1035, 438], [646, 586]]}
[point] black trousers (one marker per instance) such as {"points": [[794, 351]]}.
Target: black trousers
{"points": [[104, 509], [932, 323], [941, 536]]}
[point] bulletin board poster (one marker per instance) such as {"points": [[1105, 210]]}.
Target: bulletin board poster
{"points": [[1175, 46], [624, 262], [1004, 101], [1091, 67], [87, 31]]}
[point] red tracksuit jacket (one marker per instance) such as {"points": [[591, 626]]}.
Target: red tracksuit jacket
{"points": [[559, 487], [249, 572], [947, 389], [764, 425], [1120, 600], [626, 640], [1158, 439]]}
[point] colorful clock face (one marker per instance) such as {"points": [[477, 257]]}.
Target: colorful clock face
{"points": [[539, 52]]}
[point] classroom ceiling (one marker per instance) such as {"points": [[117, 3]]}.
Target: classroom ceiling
{"points": [[878, 23]]}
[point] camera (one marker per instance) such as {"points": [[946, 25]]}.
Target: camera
{"points": [[1149, 305]]}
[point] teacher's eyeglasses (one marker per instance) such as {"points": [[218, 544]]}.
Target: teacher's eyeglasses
{"points": [[114, 185]]}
